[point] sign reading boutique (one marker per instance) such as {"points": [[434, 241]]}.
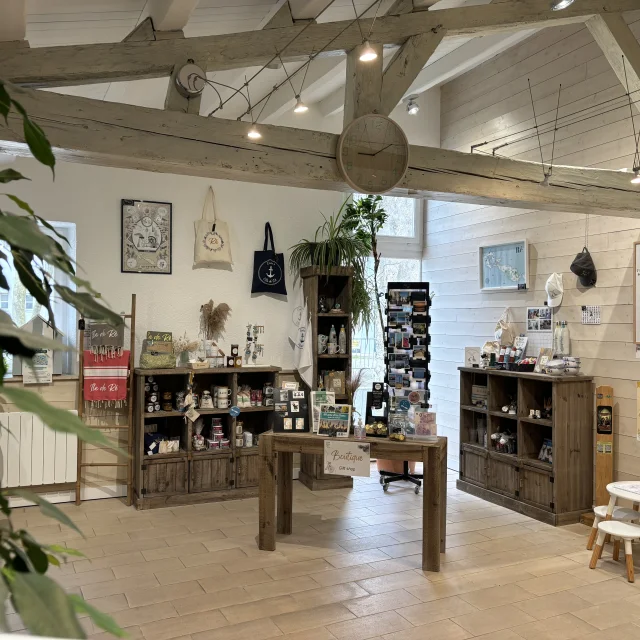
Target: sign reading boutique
{"points": [[347, 458]]}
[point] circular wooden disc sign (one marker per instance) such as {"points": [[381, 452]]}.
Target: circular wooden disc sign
{"points": [[373, 154]]}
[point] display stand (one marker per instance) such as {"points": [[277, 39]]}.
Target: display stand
{"points": [[127, 429], [334, 286], [188, 476]]}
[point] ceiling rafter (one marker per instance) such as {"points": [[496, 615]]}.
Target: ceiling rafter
{"points": [[82, 64]]}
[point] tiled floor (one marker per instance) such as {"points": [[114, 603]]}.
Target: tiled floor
{"points": [[350, 571]]}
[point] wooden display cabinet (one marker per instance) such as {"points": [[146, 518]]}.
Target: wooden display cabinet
{"points": [[335, 285], [556, 492], [190, 476]]}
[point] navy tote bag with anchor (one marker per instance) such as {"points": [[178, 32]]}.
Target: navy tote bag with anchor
{"points": [[268, 267]]}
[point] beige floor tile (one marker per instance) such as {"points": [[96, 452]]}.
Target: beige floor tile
{"points": [[142, 615], [174, 552], [328, 595], [342, 560], [133, 633], [320, 633], [131, 545], [118, 586], [563, 627], [86, 578], [213, 557], [293, 569], [322, 616], [281, 587], [271, 559], [108, 562], [504, 634], [602, 592], [492, 620], [383, 584], [255, 630], [496, 596], [590, 576], [381, 602], [611, 614], [101, 541], [207, 602], [349, 574], [192, 538], [245, 578], [147, 567], [554, 604], [426, 612], [369, 626], [552, 583], [165, 593], [184, 625], [548, 566], [265, 608], [441, 630], [625, 631], [110, 604], [190, 573]]}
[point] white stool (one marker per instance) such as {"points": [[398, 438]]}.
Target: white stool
{"points": [[619, 513], [619, 531]]}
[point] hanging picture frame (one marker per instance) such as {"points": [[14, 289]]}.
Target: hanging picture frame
{"points": [[146, 242], [504, 267]]}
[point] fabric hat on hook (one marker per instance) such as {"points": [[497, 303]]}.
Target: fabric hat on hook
{"points": [[584, 268], [554, 289]]}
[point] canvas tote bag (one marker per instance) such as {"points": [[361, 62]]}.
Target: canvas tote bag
{"points": [[268, 267], [212, 237]]}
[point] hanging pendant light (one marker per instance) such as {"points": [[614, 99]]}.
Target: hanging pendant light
{"points": [[300, 107], [368, 53], [253, 133], [636, 177], [559, 5]]}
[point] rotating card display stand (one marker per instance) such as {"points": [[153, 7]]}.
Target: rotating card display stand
{"points": [[407, 359]]}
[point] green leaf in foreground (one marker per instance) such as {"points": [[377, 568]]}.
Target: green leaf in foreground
{"points": [[88, 306], [4, 594], [63, 551], [56, 419], [30, 340], [44, 607], [9, 175], [46, 508], [100, 619]]}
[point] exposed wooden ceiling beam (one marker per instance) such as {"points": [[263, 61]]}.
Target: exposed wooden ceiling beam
{"points": [[84, 64], [143, 32], [617, 41], [281, 18], [171, 15], [405, 66], [130, 137], [363, 86]]}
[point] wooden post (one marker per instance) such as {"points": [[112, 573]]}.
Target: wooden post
{"points": [[604, 442], [363, 89], [80, 410], [443, 497], [285, 491], [267, 495], [431, 510]]}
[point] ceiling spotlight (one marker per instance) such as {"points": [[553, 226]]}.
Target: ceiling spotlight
{"points": [[636, 177], [300, 107], [412, 106], [368, 52], [559, 5], [254, 134]]}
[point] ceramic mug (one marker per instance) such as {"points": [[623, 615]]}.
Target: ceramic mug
{"points": [[223, 403], [322, 343], [332, 349]]}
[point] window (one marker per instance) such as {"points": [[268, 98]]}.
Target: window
{"points": [[23, 307], [400, 244]]}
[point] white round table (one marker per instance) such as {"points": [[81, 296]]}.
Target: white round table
{"points": [[618, 490]]}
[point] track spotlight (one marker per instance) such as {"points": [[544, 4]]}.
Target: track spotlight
{"points": [[300, 107], [636, 177], [412, 106], [254, 134], [368, 52], [559, 5]]}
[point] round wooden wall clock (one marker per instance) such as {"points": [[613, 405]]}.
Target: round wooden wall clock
{"points": [[373, 154]]}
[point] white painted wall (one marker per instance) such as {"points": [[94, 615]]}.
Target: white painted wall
{"points": [[90, 197], [482, 105]]}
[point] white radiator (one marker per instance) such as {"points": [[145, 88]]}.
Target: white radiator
{"points": [[33, 454]]}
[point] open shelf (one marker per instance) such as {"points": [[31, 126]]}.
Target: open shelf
{"points": [[512, 458], [211, 452], [538, 464], [470, 407], [333, 315], [165, 456], [253, 409], [470, 446], [540, 421], [333, 356], [502, 414]]}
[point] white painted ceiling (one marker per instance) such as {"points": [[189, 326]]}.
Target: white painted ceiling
{"points": [[67, 22]]}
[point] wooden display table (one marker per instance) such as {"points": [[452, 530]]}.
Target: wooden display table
{"points": [[432, 454]]}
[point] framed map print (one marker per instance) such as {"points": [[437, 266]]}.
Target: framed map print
{"points": [[504, 267], [146, 237]]}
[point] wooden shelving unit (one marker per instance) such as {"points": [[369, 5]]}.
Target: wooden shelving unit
{"points": [[335, 284], [557, 492], [188, 476]]}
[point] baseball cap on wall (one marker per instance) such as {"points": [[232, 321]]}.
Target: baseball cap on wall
{"points": [[584, 268], [554, 289]]}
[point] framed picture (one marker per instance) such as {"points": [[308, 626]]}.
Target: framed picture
{"points": [[334, 420], [318, 398], [504, 267], [539, 319], [145, 236]]}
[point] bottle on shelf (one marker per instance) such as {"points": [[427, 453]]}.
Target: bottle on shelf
{"points": [[565, 340], [556, 339], [333, 339], [342, 340]]}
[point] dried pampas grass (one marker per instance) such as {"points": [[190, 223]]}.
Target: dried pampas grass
{"points": [[213, 319], [353, 383]]}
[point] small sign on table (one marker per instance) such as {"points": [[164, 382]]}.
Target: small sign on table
{"points": [[347, 458]]}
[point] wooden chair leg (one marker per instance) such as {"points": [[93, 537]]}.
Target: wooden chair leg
{"points": [[604, 542], [616, 549], [597, 550], [628, 552], [607, 540], [594, 533]]}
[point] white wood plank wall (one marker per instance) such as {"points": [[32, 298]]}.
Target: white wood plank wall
{"points": [[493, 100]]}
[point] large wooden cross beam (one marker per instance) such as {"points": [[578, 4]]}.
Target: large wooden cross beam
{"points": [[84, 64], [130, 137]]}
